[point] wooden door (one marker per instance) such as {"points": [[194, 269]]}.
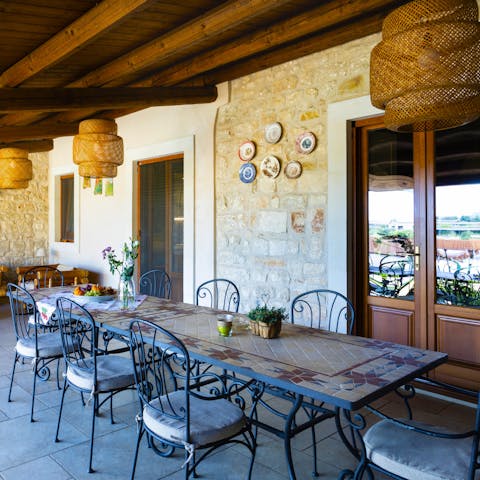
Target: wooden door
{"points": [[160, 214], [417, 230]]}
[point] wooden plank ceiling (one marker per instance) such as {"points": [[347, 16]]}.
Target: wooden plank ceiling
{"points": [[62, 61]]}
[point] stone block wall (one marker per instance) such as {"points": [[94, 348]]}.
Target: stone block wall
{"points": [[270, 234], [24, 219]]}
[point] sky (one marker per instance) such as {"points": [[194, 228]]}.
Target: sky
{"points": [[453, 200]]}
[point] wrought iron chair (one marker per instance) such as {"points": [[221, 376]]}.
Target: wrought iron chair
{"points": [[42, 276], [174, 411], [408, 449], [327, 310], [219, 293], [397, 276], [89, 370], [32, 342], [156, 283]]}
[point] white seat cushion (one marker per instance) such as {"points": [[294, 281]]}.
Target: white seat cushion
{"points": [[416, 456], [210, 420], [49, 345], [113, 372]]}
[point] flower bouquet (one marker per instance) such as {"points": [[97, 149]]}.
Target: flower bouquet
{"points": [[125, 267]]}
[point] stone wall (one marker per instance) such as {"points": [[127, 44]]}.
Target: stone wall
{"points": [[270, 237], [24, 218]]}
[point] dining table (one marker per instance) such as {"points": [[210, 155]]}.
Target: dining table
{"points": [[348, 372]]}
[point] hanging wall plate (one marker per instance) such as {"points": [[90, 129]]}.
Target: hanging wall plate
{"points": [[273, 132], [247, 173], [247, 151], [293, 169], [305, 142], [270, 166]]}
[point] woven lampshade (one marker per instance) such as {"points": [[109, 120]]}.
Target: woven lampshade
{"points": [[425, 73], [97, 149], [15, 168]]}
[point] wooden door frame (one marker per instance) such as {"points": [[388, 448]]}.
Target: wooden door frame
{"points": [[168, 246]]}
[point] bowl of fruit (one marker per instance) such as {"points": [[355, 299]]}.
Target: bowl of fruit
{"points": [[95, 293]]}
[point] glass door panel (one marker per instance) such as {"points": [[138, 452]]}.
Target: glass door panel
{"points": [[390, 214], [457, 215]]}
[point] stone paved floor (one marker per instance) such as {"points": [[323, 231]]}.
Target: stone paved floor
{"points": [[28, 452]]}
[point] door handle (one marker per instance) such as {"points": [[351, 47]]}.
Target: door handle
{"points": [[416, 258]]}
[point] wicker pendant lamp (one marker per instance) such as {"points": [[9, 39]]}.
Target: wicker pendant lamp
{"points": [[425, 73], [15, 168], [97, 149]]}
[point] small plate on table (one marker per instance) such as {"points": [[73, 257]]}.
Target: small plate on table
{"points": [[96, 298]]}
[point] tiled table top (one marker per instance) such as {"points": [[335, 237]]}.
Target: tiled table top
{"points": [[344, 370]]}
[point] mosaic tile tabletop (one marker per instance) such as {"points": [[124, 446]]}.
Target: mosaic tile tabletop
{"points": [[344, 370]]}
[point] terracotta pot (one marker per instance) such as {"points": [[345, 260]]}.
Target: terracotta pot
{"points": [[268, 330]]}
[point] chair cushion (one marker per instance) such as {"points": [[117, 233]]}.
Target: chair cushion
{"points": [[49, 345], [113, 373], [211, 421], [417, 456]]}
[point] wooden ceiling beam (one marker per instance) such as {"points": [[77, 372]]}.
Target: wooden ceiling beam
{"points": [[186, 36], [32, 146], [96, 21], [46, 130], [311, 22], [212, 23], [61, 99], [339, 36]]}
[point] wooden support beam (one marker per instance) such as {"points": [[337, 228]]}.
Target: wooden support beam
{"points": [[315, 21], [44, 130], [61, 99], [32, 146], [125, 69], [96, 21]]}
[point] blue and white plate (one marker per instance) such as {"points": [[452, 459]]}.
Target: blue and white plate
{"points": [[247, 172]]}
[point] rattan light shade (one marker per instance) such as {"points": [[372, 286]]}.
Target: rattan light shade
{"points": [[97, 149], [425, 73], [15, 168]]}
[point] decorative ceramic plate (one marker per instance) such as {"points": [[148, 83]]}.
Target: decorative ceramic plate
{"points": [[247, 151], [273, 132], [293, 169], [270, 166], [305, 142], [247, 173]]}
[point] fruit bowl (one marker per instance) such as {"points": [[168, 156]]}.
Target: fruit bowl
{"points": [[95, 293]]}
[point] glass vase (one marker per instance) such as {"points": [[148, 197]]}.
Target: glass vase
{"points": [[126, 292]]}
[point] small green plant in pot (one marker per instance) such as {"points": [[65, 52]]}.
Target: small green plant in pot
{"points": [[266, 321]]}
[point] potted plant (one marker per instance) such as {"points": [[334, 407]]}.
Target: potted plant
{"points": [[266, 321]]}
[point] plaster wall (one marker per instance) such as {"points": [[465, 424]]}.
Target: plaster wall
{"points": [[104, 221]]}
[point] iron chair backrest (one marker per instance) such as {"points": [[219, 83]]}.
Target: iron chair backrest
{"points": [[23, 309], [156, 283], [325, 309], [43, 276], [219, 293], [79, 337], [161, 366]]}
